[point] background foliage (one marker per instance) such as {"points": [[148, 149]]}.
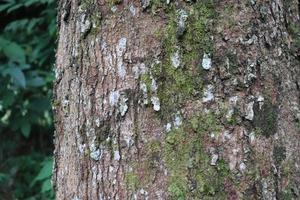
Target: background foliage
{"points": [[27, 41]]}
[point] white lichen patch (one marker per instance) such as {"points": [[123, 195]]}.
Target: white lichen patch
{"points": [[97, 122], [143, 87], [123, 107], [168, 127], [114, 9], [76, 198], [129, 139], [177, 120], [175, 59], [65, 103], [156, 103], [117, 155], [182, 17], [229, 114], [121, 70], [233, 100], [249, 111], [132, 9], [139, 69], [242, 167], [251, 73], [85, 24], [114, 98], [95, 154], [206, 61], [251, 137], [260, 100], [153, 85], [121, 47], [214, 159], [226, 136], [81, 148], [94, 175], [208, 93]]}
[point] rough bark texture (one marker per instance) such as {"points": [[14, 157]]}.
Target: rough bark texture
{"points": [[177, 100]]}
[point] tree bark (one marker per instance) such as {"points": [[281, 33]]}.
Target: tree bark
{"points": [[177, 100]]}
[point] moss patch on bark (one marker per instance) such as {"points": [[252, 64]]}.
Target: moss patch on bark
{"points": [[191, 175]]}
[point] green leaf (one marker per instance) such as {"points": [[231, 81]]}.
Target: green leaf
{"points": [[6, 5], [40, 104], [14, 52], [15, 7], [3, 177], [46, 187], [26, 128], [45, 172], [3, 43], [17, 75], [36, 82], [8, 98]]}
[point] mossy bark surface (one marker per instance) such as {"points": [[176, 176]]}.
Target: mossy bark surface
{"points": [[177, 100]]}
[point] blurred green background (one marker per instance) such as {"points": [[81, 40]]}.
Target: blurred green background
{"points": [[27, 43]]}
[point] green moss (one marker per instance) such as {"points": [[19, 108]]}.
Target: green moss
{"points": [[176, 85], [177, 189], [132, 181], [86, 4], [265, 119], [191, 176], [143, 172]]}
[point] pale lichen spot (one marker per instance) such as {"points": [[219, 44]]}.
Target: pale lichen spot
{"points": [[121, 70], [114, 9], [249, 111], [76, 198], [214, 159], [153, 85], [97, 122], [251, 137], [177, 120], [123, 106], [85, 24], [143, 87], [242, 167], [117, 155], [182, 17], [226, 136], [121, 47], [114, 98], [260, 100], [96, 154], [229, 114], [81, 148], [175, 59], [156, 103], [233, 100], [168, 127], [208, 93], [132, 9], [206, 61]]}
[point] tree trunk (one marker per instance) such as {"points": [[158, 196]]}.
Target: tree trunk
{"points": [[177, 100]]}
